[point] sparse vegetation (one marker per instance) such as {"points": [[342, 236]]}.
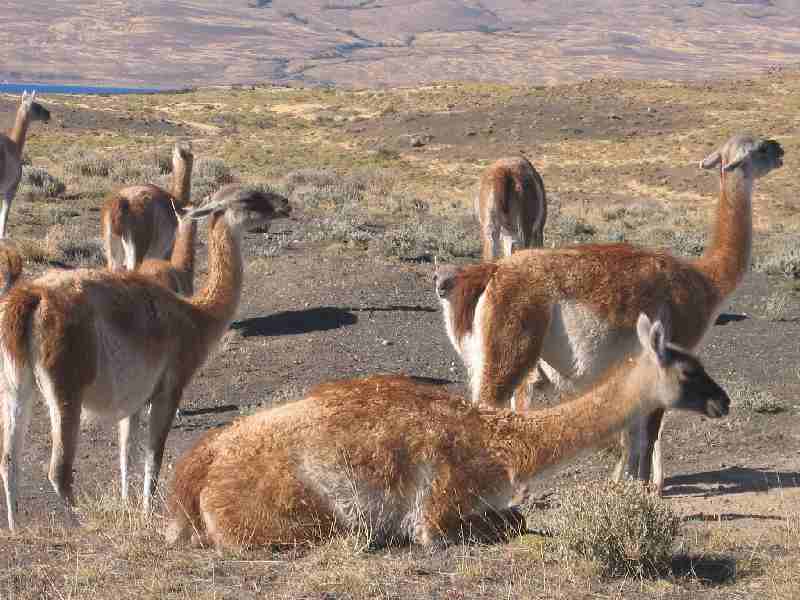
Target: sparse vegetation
{"points": [[38, 183], [208, 175], [780, 305], [65, 244], [622, 527], [785, 261], [751, 399], [378, 201]]}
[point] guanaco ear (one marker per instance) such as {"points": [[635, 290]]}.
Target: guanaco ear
{"points": [[33, 95], [643, 326], [201, 212], [652, 337], [180, 211], [711, 161], [743, 152]]}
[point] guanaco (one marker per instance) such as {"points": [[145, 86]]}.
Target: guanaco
{"points": [[138, 222], [576, 307], [11, 146], [114, 343], [511, 207], [404, 460]]}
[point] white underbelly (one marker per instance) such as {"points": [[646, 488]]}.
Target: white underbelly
{"points": [[126, 377], [580, 345]]}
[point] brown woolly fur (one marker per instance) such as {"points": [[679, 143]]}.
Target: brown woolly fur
{"points": [[112, 343], [118, 209], [353, 456], [511, 207], [139, 221], [11, 146], [191, 476], [18, 305], [463, 288], [576, 308], [177, 274], [10, 265]]}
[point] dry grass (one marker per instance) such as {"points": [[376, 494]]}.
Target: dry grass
{"points": [[66, 244], [365, 194], [37, 184], [752, 399], [622, 527], [117, 552]]}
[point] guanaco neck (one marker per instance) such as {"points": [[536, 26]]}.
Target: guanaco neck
{"points": [[219, 298], [183, 247], [532, 441], [20, 130], [182, 181], [727, 258]]}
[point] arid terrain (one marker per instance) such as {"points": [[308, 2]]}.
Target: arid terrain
{"points": [[371, 43], [382, 182]]}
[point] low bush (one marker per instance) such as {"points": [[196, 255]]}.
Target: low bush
{"points": [[36, 182], [620, 526]]}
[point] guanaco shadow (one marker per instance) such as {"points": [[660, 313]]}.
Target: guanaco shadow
{"points": [[732, 480], [708, 570], [294, 322], [319, 318], [725, 318]]}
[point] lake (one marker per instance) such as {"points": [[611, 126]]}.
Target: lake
{"points": [[47, 88]]}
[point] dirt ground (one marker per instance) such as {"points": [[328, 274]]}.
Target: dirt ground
{"points": [[320, 311]]}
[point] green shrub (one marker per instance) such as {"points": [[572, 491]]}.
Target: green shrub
{"points": [[208, 175], [424, 238], [746, 397], [133, 172], [65, 243], [786, 263], [79, 163], [620, 526], [39, 183]]}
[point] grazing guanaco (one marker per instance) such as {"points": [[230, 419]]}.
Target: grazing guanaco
{"points": [[576, 308], [511, 207], [10, 265], [139, 222], [11, 146], [113, 343], [404, 460]]}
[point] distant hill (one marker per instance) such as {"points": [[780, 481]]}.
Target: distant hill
{"points": [[365, 43]]}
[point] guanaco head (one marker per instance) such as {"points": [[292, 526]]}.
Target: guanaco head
{"points": [[244, 208], [36, 112], [182, 153], [756, 156], [679, 381], [444, 279]]}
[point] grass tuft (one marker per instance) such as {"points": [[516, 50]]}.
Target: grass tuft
{"points": [[747, 398], [65, 244], [38, 183], [620, 526], [208, 175], [785, 263]]}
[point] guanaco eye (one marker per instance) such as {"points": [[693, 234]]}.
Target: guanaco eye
{"points": [[690, 373]]}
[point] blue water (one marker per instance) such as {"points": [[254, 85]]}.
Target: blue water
{"points": [[46, 88]]}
